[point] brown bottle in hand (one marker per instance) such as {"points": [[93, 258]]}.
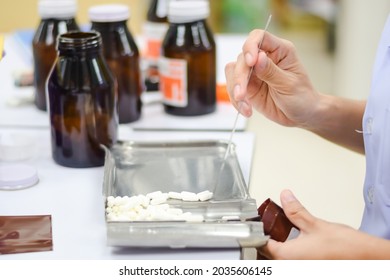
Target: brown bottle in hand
{"points": [[82, 101], [122, 56], [57, 17], [275, 223], [188, 65]]}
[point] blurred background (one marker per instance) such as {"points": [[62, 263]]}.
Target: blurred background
{"points": [[332, 34]]}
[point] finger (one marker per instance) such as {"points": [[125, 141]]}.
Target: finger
{"points": [[268, 250], [260, 40], [250, 48], [265, 41], [239, 81], [295, 211], [229, 72]]}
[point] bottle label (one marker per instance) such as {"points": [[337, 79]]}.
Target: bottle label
{"points": [[154, 34], [173, 81]]}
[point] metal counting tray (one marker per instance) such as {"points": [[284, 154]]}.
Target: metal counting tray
{"points": [[133, 168]]}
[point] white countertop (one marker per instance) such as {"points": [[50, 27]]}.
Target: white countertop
{"points": [[74, 199]]}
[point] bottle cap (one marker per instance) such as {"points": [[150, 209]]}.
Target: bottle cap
{"points": [[17, 176], [188, 11], [16, 147], [109, 13], [57, 9]]}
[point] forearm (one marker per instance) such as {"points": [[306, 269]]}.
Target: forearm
{"points": [[338, 120]]}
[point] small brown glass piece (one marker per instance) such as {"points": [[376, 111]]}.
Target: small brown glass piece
{"points": [[22, 234]]}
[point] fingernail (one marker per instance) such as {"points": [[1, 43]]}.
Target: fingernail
{"points": [[288, 196], [243, 108], [248, 59]]}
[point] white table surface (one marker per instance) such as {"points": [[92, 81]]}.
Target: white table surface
{"points": [[74, 199]]}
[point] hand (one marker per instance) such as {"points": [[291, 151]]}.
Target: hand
{"points": [[279, 87], [319, 239]]}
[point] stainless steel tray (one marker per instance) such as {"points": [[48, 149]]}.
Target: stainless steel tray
{"points": [[133, 168]]}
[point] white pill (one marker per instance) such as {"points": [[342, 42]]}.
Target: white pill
{"points": [[161, 216], [189, 196], [142, 215], [162, 207], [227, 218], [154, 194], [110, 198], [138, 208], [111, 216], [115, 209], [144, 200], [121, 218], [150, 210], [174, 195], [185, 215], [131, 215], [128, 206], [110, 203], [205, 195], [158, 200], [118, 200], [108, 210], [195, 218], [174, 211]]}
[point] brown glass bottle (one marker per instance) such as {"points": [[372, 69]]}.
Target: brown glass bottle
{"points": [[122, 56], [188, 66], [275, 223], [82, 101], [57, 17], [155, 28]]}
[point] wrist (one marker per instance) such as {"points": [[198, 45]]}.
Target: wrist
{"points": [[318, 117]]}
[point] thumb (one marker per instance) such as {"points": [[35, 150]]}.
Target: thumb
{"points": [[295, 211]]}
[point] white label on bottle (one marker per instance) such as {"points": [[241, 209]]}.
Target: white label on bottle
{"points": [[294, 232], [173, 81], [153, 34]]}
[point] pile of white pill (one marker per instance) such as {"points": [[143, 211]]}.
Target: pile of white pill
{"points": [[153, 207]]}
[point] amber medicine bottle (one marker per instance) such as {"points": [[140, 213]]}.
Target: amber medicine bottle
{"points": [[154, 29], [275, 222], [57, 17], [122, 56], [188, 63], [82, 102]]}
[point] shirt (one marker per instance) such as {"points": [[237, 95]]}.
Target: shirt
{"points": [[376, 131]]}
